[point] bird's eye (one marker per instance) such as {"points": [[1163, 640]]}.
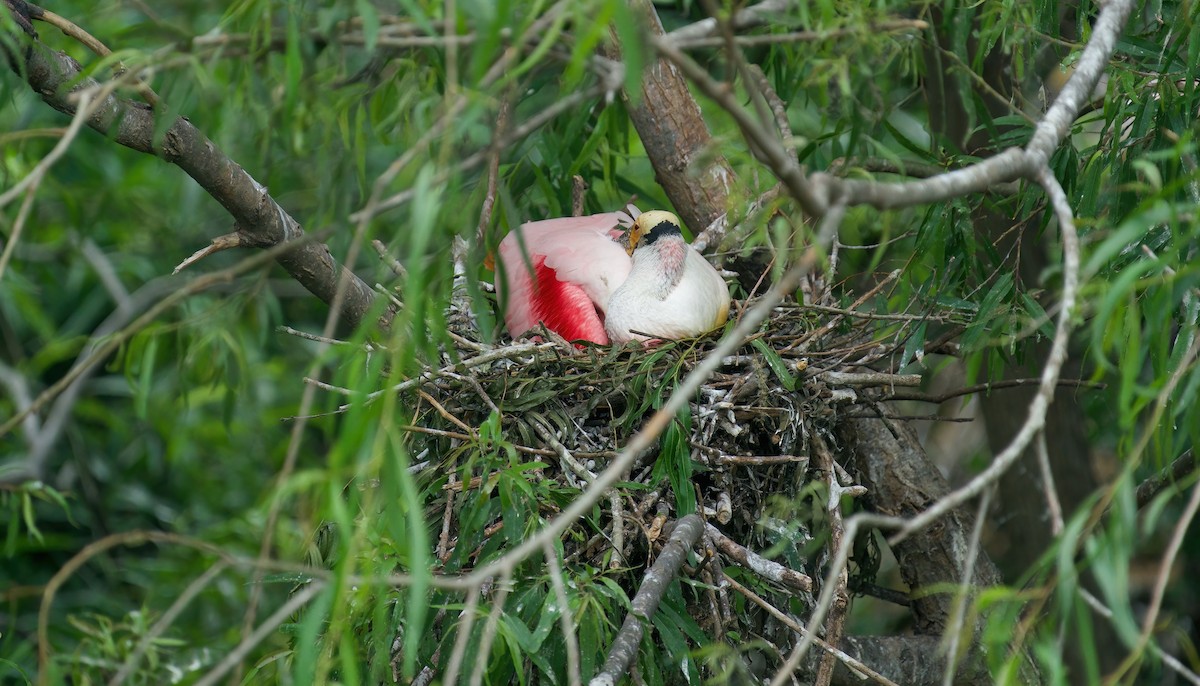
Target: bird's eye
{"points": [[634, 236]]}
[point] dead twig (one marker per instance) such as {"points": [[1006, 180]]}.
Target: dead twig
{"points": [[226, 242], [1180, 469], [836, 619], [791, 623], [767, 569]]}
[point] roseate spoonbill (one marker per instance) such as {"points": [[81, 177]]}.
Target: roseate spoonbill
{"points": [[575, 276]]}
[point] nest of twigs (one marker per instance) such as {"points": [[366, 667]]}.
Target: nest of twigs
{"points": [[744, 439], [753, 451]]}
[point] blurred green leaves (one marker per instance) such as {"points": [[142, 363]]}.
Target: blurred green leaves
{"points": [[185, 430]]}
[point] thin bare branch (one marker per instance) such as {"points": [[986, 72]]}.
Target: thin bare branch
{"points": [[565, 618], [1160, 585], [1182, 467], [269, 626], [767, 569], [855, 665], [836, 617]]}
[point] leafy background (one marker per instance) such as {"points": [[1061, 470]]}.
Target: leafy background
{"points": [[186, 428]]}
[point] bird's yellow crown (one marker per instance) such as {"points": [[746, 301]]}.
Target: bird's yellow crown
{"points": [[647, 221]]}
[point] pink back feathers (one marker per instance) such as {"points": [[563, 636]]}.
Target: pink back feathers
{"points": [[561, 272]]}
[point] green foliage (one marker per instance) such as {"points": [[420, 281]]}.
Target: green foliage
{"points": [[188, 427]]}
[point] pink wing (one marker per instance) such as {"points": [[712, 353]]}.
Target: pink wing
{"points": [[561, 272]]}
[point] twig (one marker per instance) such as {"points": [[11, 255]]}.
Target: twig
{"points": [[891, 26], [655, 583], [107, 274], [869, 379], [915, 418], [855, 665], [460, 302], [762, 142], [269, 626], [882, 316], [883, 593], [225, 242], [489, 630], [92, 43], [565, 618], [716, 231], [829, 326], [578, 195], [958, 615], [986, 387], [983, 85], [1048, 487], [836, 618], [164, 622], [437, 406], [462, 636], [392, 263], [1180, 468], [317, 338], [494, 355], [618, 530], [467, 437], [88, 103], [443, 545], [18, 390], [710, 593], [1160, 585], [761, 460], [767, 569], [573, 465], [747, 17], [68, 569]]}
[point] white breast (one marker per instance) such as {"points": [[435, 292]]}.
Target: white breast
{"points": [[648, 303]]}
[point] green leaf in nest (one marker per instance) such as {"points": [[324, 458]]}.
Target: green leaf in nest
{"points": [[675, 461], [776, 363]]}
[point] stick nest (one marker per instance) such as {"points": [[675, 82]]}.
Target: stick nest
{"points": [[559, 413], [503, 437]]}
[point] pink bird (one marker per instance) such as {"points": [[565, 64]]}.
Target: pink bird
{"points": [[575, 276]]}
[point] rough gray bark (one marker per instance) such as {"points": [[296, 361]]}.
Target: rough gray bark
{"points": [[906, 660], [677, 140], [902, 481]]}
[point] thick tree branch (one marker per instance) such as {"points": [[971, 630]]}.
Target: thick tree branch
{"points": [[677, 140], [645, 603], [261, 222], [762, 141], [902, 481]]}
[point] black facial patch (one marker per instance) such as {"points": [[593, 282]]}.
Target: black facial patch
{"points": [[661, 229]]}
